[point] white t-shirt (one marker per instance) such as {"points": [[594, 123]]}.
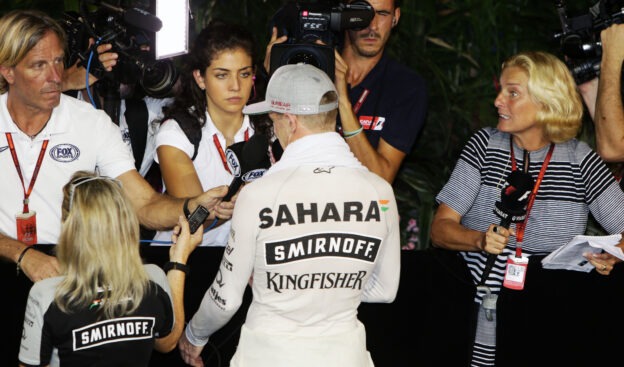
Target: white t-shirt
{"points": [[80, 138], [208, 165]]}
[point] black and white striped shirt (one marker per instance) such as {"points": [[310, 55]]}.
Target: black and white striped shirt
{"points": [[576, 182]]}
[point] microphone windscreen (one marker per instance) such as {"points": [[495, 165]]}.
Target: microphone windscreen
{"points": [[254, 161], [142, 19], [255, 154], [233, 156], [516, 192]]}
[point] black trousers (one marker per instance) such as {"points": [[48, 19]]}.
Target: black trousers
{"points": [[561, 318]]}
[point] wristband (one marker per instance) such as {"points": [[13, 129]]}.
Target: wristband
{"points": [[187, 212], [350, 134], [21, 256], [171, 265]]}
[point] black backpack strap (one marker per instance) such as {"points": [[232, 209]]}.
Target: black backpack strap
{"points": [[191, 128], [136, 118]]}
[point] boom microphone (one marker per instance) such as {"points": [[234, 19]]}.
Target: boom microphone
{"points": [[511, 208], [247, 163], [136, 17]]}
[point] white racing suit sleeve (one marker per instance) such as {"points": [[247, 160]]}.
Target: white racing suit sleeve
{"points": [[225, 294], [383, 284]]}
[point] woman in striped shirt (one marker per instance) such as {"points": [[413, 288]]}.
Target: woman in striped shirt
{"points": [[539, 116]]}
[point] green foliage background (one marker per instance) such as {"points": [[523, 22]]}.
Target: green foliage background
{"points": [[457, 46]]}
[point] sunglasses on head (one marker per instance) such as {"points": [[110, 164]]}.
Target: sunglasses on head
{"points": [[79, 181]]}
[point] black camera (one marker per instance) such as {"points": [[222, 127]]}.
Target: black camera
{"points": [[129, 31], [580, 36], [305, 22]]}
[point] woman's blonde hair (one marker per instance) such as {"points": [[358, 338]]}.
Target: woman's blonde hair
{"points": [[98, 249], [552, 86]]}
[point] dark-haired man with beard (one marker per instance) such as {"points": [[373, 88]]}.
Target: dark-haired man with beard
{"points": [[388, 99], [378, 96]]}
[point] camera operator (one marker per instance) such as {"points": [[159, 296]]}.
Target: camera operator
{"points": [[74, 76], [136, 113], [603, 96], [378, 96]]}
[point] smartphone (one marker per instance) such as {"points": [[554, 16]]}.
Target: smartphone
{"points": [[197, 217]]}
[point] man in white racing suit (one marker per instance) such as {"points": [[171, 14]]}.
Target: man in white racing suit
{"points": [[317, 235]]}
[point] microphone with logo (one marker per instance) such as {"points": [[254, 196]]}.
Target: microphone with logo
{"points": [[512, 206], [247, 161], [511, 209]]}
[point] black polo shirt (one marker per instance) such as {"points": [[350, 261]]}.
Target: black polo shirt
{"points": [[392, 104]]}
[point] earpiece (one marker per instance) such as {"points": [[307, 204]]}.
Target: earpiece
{"points": [[394, 22]]}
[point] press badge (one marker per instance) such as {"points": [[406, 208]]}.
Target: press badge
{"points": [[515, 272], [27, 227]]}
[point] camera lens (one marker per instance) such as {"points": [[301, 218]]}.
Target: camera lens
{"points": [[159, 78], [304, 57], [319, 56]]}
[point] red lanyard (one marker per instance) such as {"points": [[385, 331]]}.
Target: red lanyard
{"points": [[27, 193], [215, 138], [360, 101], [521, 226]]}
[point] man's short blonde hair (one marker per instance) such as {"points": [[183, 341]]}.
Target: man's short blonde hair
{"points": [[20, 31]]}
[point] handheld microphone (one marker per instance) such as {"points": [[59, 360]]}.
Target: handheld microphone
{"points": [[514, 197], [511, 208], [247, 163]]}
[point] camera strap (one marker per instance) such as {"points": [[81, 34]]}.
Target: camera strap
{"points": [[136, 118]]}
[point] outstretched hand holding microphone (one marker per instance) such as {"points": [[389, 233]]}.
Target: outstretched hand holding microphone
{"points": [[512, 208], [247, 160]]}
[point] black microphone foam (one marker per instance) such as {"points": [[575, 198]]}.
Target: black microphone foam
{"points": [[254, 161], [135, 17], [514, 197], [142, 19]]}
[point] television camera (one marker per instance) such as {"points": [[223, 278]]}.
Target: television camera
{"points": [[580, 36], [305, 22], [128, 30]]}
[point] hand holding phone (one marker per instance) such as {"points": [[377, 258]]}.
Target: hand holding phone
{"points": [[196, 218]]}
